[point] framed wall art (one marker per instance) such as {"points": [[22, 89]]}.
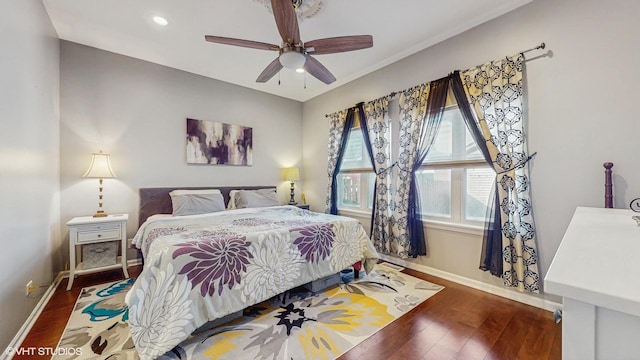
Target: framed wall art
{"points": [[216, 143]]}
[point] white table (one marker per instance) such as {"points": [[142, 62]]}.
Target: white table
{"points": [[86, 230], [597, 272]]}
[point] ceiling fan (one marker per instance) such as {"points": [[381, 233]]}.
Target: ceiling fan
{"points": [[295, 54]]}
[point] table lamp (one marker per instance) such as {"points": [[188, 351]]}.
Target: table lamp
{"points": [[292, 174], [100, 168]]}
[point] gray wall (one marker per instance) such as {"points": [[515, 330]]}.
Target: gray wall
{"points": [[29, 162], [582, 111], [137, 111]]}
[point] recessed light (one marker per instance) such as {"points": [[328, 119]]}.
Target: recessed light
{"points": [[160, 20]]}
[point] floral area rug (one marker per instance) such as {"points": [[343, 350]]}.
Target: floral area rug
{"points": [[299, 325]]}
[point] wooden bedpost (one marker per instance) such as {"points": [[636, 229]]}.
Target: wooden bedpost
{"points": [[608, 186]]}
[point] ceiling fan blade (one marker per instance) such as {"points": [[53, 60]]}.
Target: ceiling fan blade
{"points": [[338, 44], [242, 43], [313, 67], [270, 71], [286, 20]]}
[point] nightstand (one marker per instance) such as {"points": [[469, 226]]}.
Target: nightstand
{"points": [[88, 230]]}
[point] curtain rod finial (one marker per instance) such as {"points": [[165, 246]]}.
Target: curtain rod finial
{"points": [[541, 46]]}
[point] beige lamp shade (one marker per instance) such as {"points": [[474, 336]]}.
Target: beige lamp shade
{"points": [[292, 174], [100, 167]]}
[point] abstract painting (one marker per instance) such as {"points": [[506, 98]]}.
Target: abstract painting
{"points": [[216, 143]]}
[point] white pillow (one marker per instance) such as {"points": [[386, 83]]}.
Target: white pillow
{"points": [[158, 216], [257, 198], [187, 191], [192, 204]]}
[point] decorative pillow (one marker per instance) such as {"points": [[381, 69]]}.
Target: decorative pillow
{"points": [[256, 198], [233, 196], [192, 204]]}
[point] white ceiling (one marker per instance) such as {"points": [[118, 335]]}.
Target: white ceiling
{"points": [[399, 28]]}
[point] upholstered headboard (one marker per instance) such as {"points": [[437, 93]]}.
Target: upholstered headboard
{"points": [[158, 201]]}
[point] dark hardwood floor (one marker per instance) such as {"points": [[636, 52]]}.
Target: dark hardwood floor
{"points": [[456, 323], [463, 323]]}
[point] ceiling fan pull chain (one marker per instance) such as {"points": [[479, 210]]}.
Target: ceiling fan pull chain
{"points": [[305, 80]]}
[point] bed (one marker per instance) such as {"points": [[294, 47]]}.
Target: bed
{"points": [[205, 266]]}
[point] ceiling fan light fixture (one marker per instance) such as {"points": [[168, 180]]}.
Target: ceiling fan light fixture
{"points": [[299, 70], [292, 59], [160, 20]]}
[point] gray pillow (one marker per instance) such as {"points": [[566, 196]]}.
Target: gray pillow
{"points": [[192, 204], [256, 198]]}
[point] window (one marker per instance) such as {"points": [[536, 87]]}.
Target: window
{"points": [[454, 182], [356, 178]]}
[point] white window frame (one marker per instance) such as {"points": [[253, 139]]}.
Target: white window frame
{"points": [[458, 181], [363, 191], [456, 222], [458, 189], [364, 173]]}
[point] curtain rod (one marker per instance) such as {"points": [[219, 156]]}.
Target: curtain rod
{"points": [[541, 46]]}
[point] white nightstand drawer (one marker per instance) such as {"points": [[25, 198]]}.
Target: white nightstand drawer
{"points": [[97, 227], [99, 235]]}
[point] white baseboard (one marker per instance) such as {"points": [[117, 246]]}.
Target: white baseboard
{"points": [[28, 324], [134, 262], [35, 313], [479, 285]]}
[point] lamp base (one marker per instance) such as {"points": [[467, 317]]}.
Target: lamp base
{"points": [[292, 201], [100, 213]]}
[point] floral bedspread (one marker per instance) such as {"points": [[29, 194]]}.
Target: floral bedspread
{"points": [[202, 267]]}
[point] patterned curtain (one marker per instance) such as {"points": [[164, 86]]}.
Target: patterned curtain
{"points": [[338, 134], [378, 144], [495, 93], [421, 111], [491, 253]]}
